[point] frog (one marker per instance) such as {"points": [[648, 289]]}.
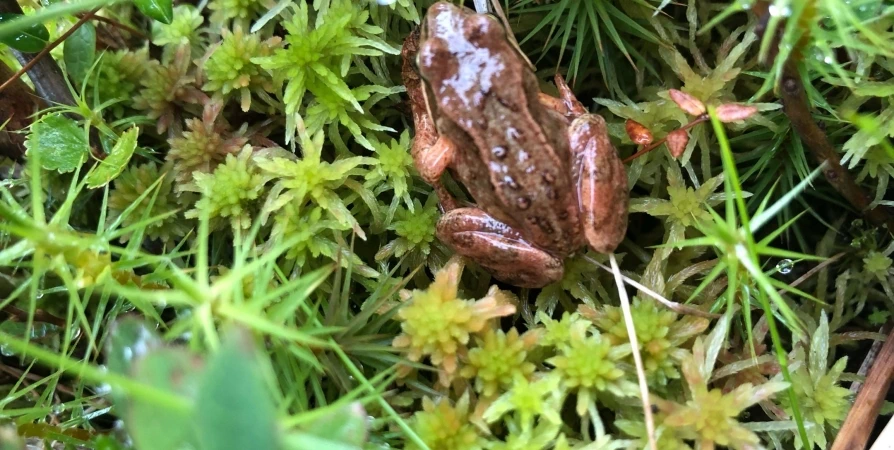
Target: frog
{"points": [[543, 173]]}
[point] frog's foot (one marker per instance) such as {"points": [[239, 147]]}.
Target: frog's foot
{"points": [[432, 161], [601, 181], [498, 248]]}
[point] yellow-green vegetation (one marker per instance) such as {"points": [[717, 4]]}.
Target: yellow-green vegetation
{"points": [[223, 242]]}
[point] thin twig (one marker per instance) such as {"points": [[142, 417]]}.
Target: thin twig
{"points": [[672, 305], [867, 363], [48, 49], [797, 108], [813, 271], [118, 24], [19, 373]]}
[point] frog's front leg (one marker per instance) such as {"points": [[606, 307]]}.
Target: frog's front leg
{"points": [[498, 248], [601, 182]]}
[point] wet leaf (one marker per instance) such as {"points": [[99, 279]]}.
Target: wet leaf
{"points": [[59, 142], [156, 427], [129, 338], [160, 10], [109, 168], [676, 142], [731, 112], [30, 40], [687, 103], [80, 52], [638, 133], [345, 426], [234, 409]]}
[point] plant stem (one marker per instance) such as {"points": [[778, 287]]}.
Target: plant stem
{"points": [[48, 49]]}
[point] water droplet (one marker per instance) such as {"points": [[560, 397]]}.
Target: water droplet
{"points": [[780, 11], [785, 266], [103, 389], [57, 409], [6, 351]]}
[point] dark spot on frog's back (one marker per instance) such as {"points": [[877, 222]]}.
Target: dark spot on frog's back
{"points": [[549, 177], [509, 181], [523, 203]]}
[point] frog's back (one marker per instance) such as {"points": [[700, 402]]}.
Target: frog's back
{"points": [[513, 154]]}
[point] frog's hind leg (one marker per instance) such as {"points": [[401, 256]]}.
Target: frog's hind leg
{"points": [[601, 182], [498, 248]]}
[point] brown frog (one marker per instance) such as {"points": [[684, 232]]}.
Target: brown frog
{"points": [[544, 174]]}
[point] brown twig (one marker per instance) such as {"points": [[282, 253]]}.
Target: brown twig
{"points": [[19, 103], [48, 49], [814, 270], [796, 107], [867, 363], [858, 426], [118, 24], [39, 315]]}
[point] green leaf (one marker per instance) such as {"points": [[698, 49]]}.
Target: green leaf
{"points": [[345, 426], [60, 143], [307, 441], [154, 427], [47, 13], [135, 350], [160, 10], [234, 409], [29, 40], [109, 168], [80, 51], [129, 338]]}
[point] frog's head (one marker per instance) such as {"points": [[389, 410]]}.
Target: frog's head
{"points": [[452, 35]]}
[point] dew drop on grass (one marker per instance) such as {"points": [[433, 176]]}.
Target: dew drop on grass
{"points": [[6, 351], [785, 266], [57, 409]]}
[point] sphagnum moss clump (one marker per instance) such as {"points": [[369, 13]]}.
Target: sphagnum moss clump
{"points": [[229, 69], [274, 148]]}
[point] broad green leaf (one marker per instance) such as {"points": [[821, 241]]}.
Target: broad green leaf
{"points": [[129, 339], [307, 441], [109, 168], [47, 13], [153, 427], [160, 10], [234, 409], [29, 40], [79, 52], [344, 426], [60, 142]]}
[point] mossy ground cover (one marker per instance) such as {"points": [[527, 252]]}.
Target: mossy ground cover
{"points": [[221, 240]]}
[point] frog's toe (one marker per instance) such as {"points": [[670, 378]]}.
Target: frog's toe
{"points": [[499, 249]]}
